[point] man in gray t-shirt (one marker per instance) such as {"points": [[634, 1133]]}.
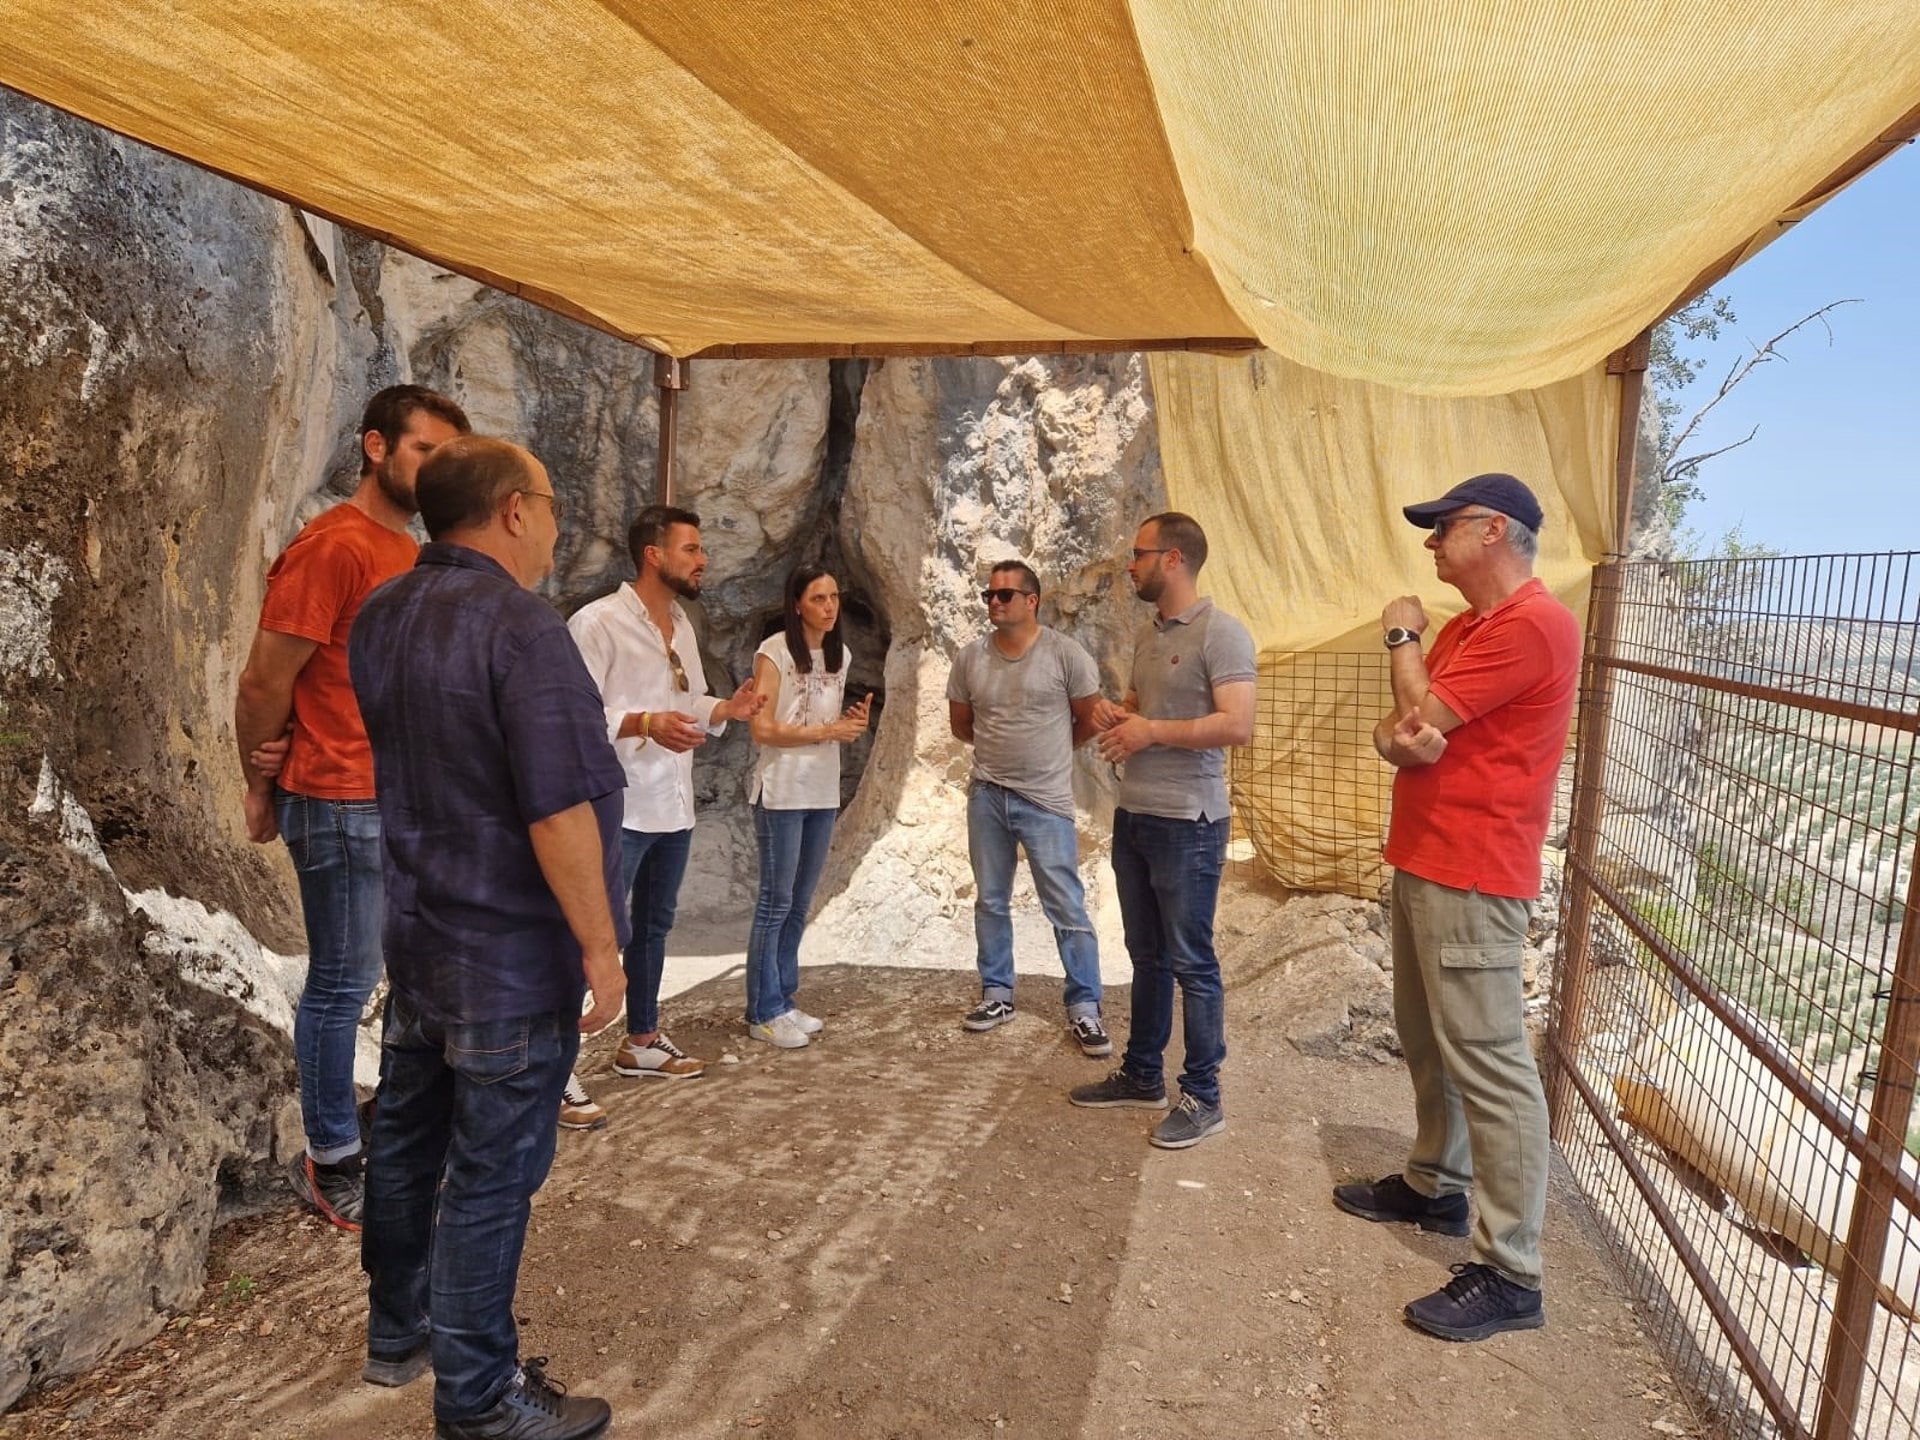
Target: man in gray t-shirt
{"points": [[1023, 696], [1190, 696]]}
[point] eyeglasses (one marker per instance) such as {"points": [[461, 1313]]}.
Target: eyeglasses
{"points": [[1003, 595], [680, 681], [1140, 554], [559, 511], [1447, 522]]}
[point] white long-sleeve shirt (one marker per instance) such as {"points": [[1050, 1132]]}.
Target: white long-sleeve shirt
{"points": [[627, 657]]}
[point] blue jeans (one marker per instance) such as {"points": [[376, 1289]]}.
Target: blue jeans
{"points": [[652, 866], [335, 845], [998, 821], [1167, 873], [463, 1133], [793, 851]]}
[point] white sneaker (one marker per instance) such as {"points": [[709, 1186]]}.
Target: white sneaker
{"points": [[809, 1023], [578, 1111], [780, 1031]]}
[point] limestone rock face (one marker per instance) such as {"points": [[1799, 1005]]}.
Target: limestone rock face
{"points": [[161, 335], [958, 464]]}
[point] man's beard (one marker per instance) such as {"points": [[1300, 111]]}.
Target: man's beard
{"points": [[1151, 588], [389, 487], [687, 586]]}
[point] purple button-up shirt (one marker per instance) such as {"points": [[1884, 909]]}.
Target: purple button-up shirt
{"points": [[483, 720]]}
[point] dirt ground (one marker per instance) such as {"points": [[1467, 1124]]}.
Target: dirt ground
{"points": [[906, 1231]]}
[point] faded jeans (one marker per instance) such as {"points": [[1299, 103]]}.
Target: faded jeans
{"points": [[793, 851], [335, 845], [1001, 822]]}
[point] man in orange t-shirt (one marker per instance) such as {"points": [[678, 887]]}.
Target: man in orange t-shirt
{"points": [[1477, 732], [296, 684]]}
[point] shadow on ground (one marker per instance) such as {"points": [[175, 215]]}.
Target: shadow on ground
{"points": [[904, 1230]]}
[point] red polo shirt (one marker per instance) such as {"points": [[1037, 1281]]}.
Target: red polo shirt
{"points": [[314, 591], [1476, 819]]}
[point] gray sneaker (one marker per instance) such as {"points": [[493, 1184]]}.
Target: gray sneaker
{"points": [[1189, 1124], [1120, 1088]]}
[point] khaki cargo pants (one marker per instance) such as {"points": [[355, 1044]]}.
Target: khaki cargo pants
{"points": [[1480, 1113]]}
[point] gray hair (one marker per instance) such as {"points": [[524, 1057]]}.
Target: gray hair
{"points": [[1525, 542]]}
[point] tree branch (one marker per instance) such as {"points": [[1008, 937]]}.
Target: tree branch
{"points": [[1670, 469], [1678, 470]]}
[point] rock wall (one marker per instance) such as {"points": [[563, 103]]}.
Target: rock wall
{"points": [[181, 366]]}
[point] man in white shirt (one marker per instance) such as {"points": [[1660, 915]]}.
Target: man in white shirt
{"points": [[642, 652]]}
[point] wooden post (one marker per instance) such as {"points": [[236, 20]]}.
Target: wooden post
{"points": [[670, 374], [1590, 748]]}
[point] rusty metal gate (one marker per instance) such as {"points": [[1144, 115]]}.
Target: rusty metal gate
{"points": [[1736, 1016]]}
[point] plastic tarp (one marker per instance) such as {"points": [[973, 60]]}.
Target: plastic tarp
{"points": [[1452, 197]]}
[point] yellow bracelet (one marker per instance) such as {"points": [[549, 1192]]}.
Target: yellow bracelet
{"points": [[646, 725]]}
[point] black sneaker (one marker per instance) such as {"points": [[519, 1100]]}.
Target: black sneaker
{"points": [[336, 1193], [1091, 1036], [1391, 1198], [397, 1370], [1479, 1301], [1189, 1124], [987, 1014], [1120, 1088], [533, 1408]]}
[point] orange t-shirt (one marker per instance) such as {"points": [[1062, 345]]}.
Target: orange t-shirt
{"points": [[1477, 817], [314, 591]]}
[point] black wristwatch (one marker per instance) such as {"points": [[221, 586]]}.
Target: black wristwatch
{"points": [[1400, 635]]}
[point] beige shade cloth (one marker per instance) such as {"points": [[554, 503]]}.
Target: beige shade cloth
{"points": [[1298, 478], [1452, 197]]}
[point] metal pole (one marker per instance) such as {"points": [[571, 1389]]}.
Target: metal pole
{"points": [[670, 374], [1851, 1330], [1590, 745]]}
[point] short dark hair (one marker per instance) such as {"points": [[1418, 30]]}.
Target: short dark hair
{"points": [[465, 481], [832, 648], [390, 410], [1020, 567], [650, 527], [1181, 532]]}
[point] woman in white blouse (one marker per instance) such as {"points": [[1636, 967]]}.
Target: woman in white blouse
{"points": [[802, 670]]}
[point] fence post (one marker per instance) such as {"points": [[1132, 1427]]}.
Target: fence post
{"points": [[1851, 1329], [1590, 746]]}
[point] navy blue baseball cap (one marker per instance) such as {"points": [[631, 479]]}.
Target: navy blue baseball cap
{"points": [[1497, 492]]}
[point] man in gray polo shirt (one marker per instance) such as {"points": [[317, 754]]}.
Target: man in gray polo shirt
{"points": [[1191, 696], [1023, 696]]}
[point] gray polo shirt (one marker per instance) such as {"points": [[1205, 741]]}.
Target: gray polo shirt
{"points": [[1022, 714], [1176, 664]]}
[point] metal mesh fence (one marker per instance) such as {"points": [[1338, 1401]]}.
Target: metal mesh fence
{"points": [[1310, 792], [1737, 1015]]}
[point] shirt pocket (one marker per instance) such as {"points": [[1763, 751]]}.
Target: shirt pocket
{"points": [[1480, 993]]}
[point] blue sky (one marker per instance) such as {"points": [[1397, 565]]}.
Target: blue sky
{"points": [[1836, 464]]}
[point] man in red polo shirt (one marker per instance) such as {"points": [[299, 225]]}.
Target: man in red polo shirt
{"points": [[1477, 732]]}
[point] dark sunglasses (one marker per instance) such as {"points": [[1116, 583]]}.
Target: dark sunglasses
{"points": [[1003, 595], [680, 681], [1447, 522]]}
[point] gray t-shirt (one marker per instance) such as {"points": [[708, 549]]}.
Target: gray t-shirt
{"points": [[1176, 664], [1022, 715]]}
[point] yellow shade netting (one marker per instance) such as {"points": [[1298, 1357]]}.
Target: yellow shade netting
{"points": [[1301, 476], [1453, 198]]}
